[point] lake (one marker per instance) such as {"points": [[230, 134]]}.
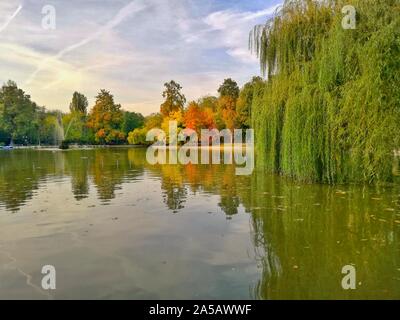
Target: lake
{"points": [[116, 227]]}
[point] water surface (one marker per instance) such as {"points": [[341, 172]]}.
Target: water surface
{"points": [[116, 227]]}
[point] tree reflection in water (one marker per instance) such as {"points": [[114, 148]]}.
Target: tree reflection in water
{"points": [[302, 234]]}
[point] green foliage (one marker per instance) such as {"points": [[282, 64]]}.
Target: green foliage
{"points": [[138, 136], [244, 102], [174, 99], [131, 121], [153, 121], [48, 122], [79, 103], [75, 128], [229, 89], [18, 116], [208, 102], [330, 110]]}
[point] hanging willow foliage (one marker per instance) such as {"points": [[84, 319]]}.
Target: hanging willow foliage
{"points": [[330, 110]]}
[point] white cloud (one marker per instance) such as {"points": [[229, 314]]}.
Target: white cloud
{"points": [[131, 8], [231, 29], [130, 51]]}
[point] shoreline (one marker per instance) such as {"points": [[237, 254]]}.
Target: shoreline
{"points": [[82, 147]]}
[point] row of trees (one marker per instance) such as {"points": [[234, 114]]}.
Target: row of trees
{"points": [[231, 109], [24, 122]]}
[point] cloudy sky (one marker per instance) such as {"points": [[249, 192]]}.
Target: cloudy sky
{"points": [[128, 47]]}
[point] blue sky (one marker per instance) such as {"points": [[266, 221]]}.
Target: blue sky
{"points": [[128, 47]]}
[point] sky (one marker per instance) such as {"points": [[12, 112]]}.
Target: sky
{"points": [[129, 47]]}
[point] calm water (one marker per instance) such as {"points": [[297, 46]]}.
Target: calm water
{"points": [[116, 227]]}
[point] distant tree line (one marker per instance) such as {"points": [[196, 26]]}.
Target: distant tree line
{"points": [[22, 121], [230, 109]]}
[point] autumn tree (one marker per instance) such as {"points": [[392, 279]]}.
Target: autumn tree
{"points": [[174, 99], [227, 112], [197, 118], [226, 109], [105, 119]]}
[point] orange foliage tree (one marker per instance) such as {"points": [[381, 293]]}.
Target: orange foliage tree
{"points": [[227, 111], [105, 119], [197, 118]]}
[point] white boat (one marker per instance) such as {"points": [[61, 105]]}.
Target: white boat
{"points": [[7, 147]]}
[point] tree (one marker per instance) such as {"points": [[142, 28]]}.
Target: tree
{"points": [[244, 102], [74, 124], [229, 89], [153, 121], [138, 137], [79, 103], [48, 122], [227, 112], [174, 99], [131, 121], [4, 134], [330, 110], [18, 114], [208, 102], [173, 116], [106, 119], [226, 106], [197, 118]]}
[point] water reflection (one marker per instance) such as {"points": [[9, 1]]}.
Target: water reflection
{"points": [[300, 235]]}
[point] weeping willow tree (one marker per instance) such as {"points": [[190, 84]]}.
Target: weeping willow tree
{"points": [[330, 110]]}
